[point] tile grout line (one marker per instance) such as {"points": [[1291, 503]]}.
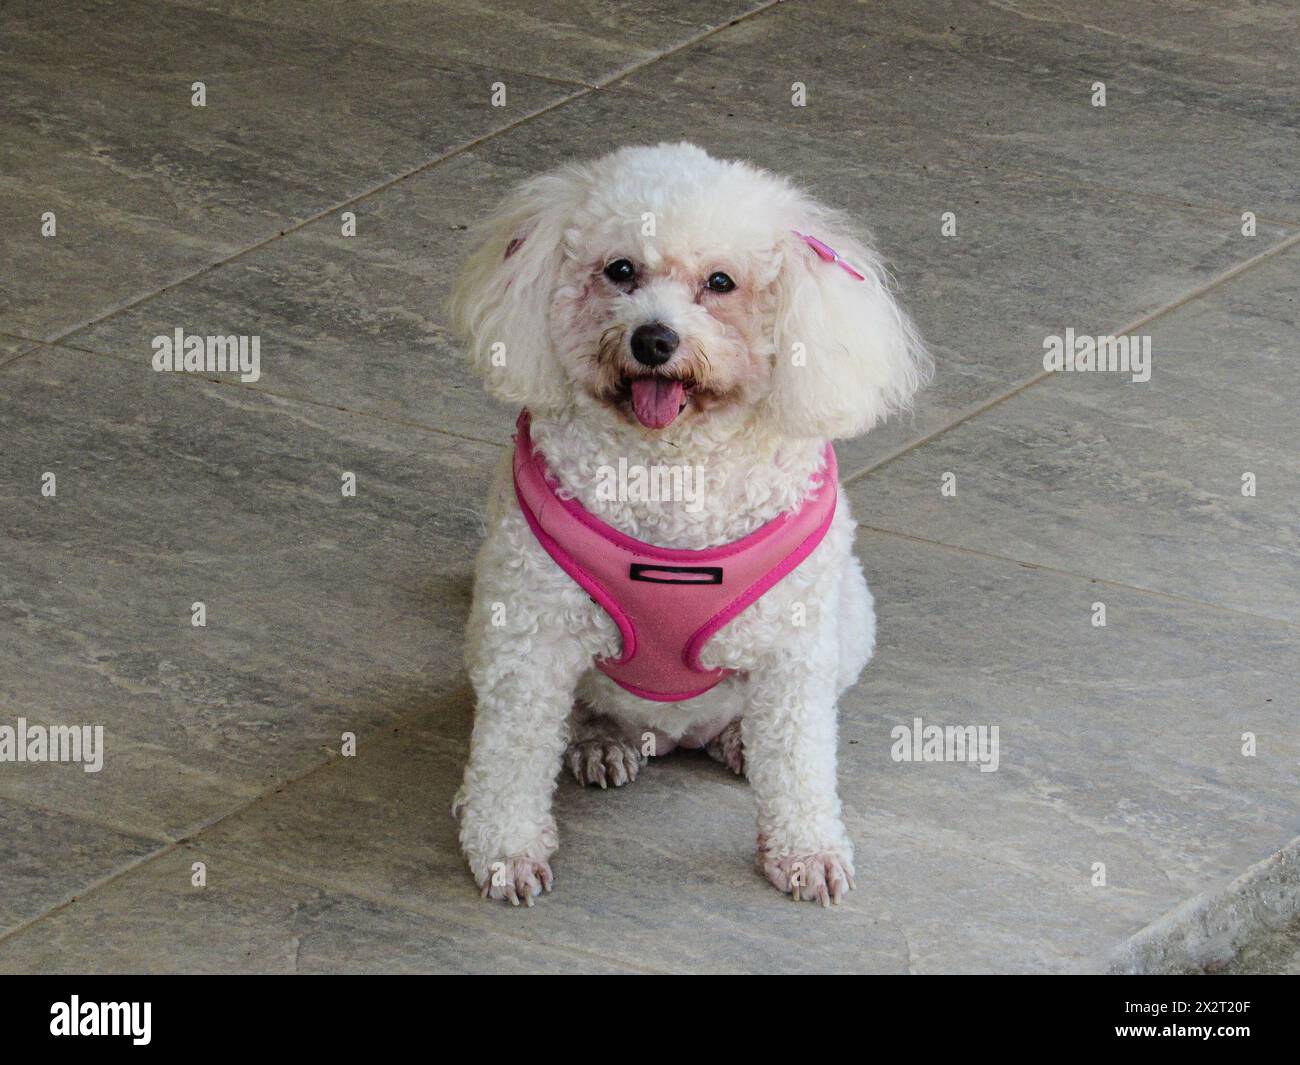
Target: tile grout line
{"points": [[160, 852], [197, 379], [1190, 295], [59, 339], [89, 888], [342, 39], [581, 93], [320, 883], [1177, 204], [584, 89], [1175, 304], [390, 902], [387, 46], [191, 836], [1153, 593], [23, 346], [1063, 18], [294, 227], [138, 835], [202, 826]]}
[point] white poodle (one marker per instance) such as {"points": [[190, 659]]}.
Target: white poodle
{"points": [[685, 335]]}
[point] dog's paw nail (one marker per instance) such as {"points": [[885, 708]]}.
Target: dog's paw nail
{"points": [[728, 747], [518, 881], [821, 876], [608, 761]]}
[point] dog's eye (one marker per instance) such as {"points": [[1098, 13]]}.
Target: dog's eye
{"points": [[620, 271], [719, 282]]}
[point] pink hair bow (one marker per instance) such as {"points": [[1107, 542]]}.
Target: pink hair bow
{"points": [[828, 254]]}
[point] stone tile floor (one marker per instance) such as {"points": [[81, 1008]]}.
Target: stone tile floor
{"points": [[1120, 745]]}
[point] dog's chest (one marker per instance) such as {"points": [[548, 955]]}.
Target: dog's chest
{"points": [[699, 573], [774, 619]]}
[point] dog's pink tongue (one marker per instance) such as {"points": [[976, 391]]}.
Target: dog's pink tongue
{"points": [[656, 400]]}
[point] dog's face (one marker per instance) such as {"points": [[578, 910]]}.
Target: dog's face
{"points": [[669, 286], [674, 322]]}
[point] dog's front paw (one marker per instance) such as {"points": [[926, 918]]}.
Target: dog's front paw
{"points": [[605, 760], [822, 875], [508, 860], [517, 880]]}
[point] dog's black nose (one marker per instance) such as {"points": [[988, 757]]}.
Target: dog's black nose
{"points": [[653, 344]]}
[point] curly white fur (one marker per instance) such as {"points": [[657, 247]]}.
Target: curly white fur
{"points": [[798, 353]]}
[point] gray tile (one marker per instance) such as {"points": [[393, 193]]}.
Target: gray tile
{"points": [[154, 920], [147, 188], [12, 348], [1230, 47], [1012, 92], [328, 304], [1126, 753], [324, 614], [1120, 745], [31, 883], [1139, 482], [354, 322], [583, 41], [659, 875]]}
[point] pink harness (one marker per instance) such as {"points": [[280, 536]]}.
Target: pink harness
{"points": [[667, 603]]}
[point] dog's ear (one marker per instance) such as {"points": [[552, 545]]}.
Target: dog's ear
{"points": [[501, 300], [847, 356]]}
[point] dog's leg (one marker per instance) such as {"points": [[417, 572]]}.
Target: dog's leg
{"points": [[601, 752], [789, 734], [525, 692]]}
